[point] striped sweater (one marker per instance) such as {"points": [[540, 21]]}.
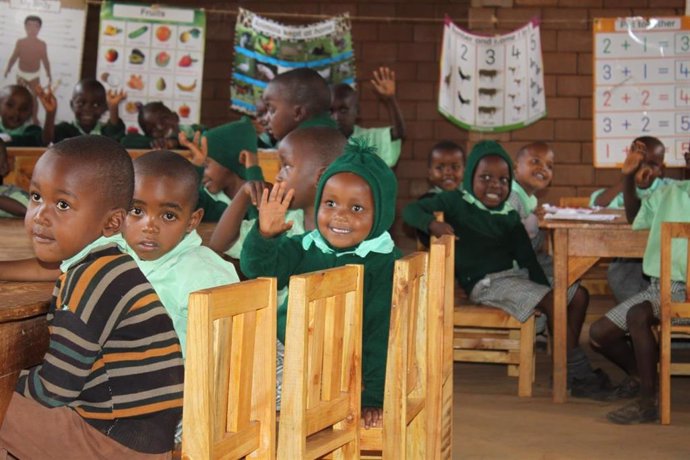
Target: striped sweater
{"points": [[113, 355]]}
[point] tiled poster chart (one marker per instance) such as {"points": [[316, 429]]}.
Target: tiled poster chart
{"points": [[641, 86]]}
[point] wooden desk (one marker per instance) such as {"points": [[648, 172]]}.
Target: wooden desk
{"points": [[14, 241], [577, 247], [23, 332]]}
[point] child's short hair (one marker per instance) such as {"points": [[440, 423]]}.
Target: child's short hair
{"points": [[445, 145], [9, 89], [108, 161], [328, 143], [164, 163], [307, 88], [539, 145], [34, 18], [90, 84], [343, 91], [150, 106]]}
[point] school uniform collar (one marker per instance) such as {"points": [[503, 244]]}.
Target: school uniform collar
{"points": [[147, 267], [97, 130], [528, 201], [16, 131], [382, 244], [504, 209], [103, 243]]}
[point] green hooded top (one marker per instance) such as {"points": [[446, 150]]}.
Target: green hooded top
{"points": [[284, 256], [489, 240]]}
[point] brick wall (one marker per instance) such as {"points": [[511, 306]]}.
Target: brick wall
{"points": [[410, 45]]}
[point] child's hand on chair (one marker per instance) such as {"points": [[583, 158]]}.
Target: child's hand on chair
{"points": [[272, 210], [373, 417], [438, 229]]}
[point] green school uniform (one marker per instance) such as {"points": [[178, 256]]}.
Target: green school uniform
{"points": [[27, 135], [386, 148], [143, 142], [618, 203], [16, 194], [65, 130]]}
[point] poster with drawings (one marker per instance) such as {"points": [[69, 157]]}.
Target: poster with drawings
{"points": [[154, 53], [54, 25], [492, 83], [641, 86]]}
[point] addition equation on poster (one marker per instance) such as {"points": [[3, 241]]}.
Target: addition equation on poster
{"points": [[492, 83], [641, 86]]}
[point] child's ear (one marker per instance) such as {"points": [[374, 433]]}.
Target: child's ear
{"points": [[300, 113], [319, 173], [195, 220], [114, 222]]}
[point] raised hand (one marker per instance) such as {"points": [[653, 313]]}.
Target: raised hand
{"points": [[47, 98], [114, 97], [198, 147], [272, 209], [384, 82], [634, 158]]}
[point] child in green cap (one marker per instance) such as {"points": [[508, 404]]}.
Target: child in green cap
{"points": [[490, 238], [355, 207]]}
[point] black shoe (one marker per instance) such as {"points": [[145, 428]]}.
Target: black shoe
{"points": [[637, 411], [594, 386], [629, 388]]}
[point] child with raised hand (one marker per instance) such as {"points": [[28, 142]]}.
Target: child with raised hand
{"points": [[13, 200], [345, 110], [89, 102], [81, 398], [297, 98], [16, 108], [304, 155], [355, 207], [491, 238], [636, 316]]}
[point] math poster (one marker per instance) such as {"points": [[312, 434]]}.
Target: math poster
{"points": [[265, 48], [42, 43], [154, 53], [492, 83], [641, 86]]}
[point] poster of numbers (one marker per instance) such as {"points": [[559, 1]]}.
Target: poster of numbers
{"points": [[154, 53], [641, 86], [492, 83]]}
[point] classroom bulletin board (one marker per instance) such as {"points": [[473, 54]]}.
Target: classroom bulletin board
{"points": [[641, 86]]}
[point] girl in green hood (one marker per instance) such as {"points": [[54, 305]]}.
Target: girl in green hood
{"points": [[355, 207], [491, 238]]}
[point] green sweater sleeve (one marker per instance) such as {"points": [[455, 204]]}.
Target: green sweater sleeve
{"points": [[213, 210], [419, 214], [524, 254], [31, 137], [254, 173], [63, 131]]}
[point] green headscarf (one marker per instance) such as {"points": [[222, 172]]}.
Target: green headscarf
{"points": [[360, 158], [480, 150], [225, 142]]}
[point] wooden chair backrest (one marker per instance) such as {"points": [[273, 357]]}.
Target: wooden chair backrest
{"points": [[230, 373], [574, 202], [322, 370], [270, 164], [671, 310]]}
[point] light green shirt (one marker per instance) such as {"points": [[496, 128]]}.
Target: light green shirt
{"points": [[618, 203], [16, 194], [386, 148], [294, 215], [188, 267], [667, 204]]}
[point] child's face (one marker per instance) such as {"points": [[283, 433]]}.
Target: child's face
{"points": [[298, 173], [32, 28], [534, 169], [64, 213], [651, 167], [446, 168], [16, 109], [160, 123], [217, 177], [491, 182], [346, 210], [281, 116], [88, 106], [344, 112], [160, 217]]}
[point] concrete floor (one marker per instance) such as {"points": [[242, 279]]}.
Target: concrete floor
{"points": [[491, 422]]}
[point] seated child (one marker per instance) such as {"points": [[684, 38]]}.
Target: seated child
{"points": [[160, 126], [625, 275], [637, 315], [104, 313], [16, 109], [89, 102], [446, 163], [491, 238], [345, 109], [161, 236], [355, 203], [297, 98], [13, 200]]}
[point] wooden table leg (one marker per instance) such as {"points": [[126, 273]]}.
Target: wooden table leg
{"points": [[560, 318]]}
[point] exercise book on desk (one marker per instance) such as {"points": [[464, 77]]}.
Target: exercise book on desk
{"points": [[553, 212]]}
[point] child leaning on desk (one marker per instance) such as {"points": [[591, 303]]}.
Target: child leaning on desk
{"points": [[636, 315], [491, 237]]}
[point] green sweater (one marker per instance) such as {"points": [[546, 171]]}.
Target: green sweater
{"points": [[282, 257], [488, 242], [65, 130]]}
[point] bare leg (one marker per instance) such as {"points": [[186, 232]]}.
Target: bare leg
{"points": [[640, 321], [609, 340]]}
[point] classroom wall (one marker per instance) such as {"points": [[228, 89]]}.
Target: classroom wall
{"points": [[405, 35]]}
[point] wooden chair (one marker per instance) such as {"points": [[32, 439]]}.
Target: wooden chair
{"points": [[269, 163], [322, 372], [671, 311], [230, 373], [404, 406]]}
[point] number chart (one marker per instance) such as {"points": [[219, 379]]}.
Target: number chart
{"points": [[493, 83], [641, 86]]}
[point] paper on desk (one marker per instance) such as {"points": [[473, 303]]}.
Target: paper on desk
{"points": [[579, 214]]}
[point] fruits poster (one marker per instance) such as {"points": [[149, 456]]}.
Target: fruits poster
{"points": [[42, 43], [265, 48], [492, 83], [154, 53]]}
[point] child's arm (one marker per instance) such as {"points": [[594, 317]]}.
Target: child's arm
{"points": [[46, 63], [420, 215], [113, 100], [28, 270], [49, 103], [384, 84], [609, 194], [14, 207], [13, 59], [631, 167], [228, 228]]}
